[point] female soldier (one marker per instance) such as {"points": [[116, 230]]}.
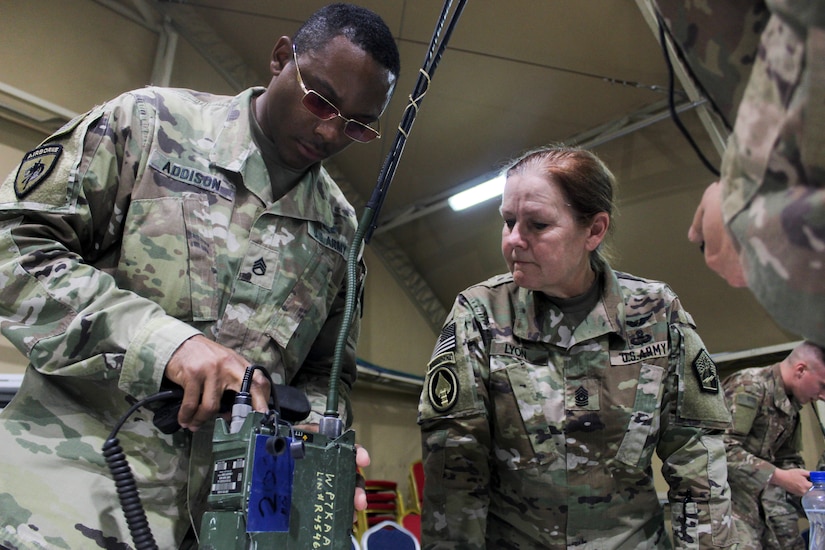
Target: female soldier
{"points": [[550, 388]]}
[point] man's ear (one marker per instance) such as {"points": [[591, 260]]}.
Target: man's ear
{"points": [[281, 55]]}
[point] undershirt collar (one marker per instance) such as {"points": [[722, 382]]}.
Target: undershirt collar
{"points": [[577, 308]]}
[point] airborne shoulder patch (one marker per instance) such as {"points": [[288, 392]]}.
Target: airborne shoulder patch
{"points": [[705, 370], [36, 166]]}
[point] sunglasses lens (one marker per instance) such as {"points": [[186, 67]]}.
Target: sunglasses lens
{"points": [[319, 106], [359, 132]]}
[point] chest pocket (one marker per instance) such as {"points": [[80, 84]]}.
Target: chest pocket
{"points": [[282, 294], [535, 393], [636, 448], [769, 431], [168, 255], [304, 309], [607, 406]]}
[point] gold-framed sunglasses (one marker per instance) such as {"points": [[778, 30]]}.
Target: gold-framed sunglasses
{"points": [[323, 108]]}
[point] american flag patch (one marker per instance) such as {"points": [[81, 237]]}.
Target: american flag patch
{"points": [[446, 340]]}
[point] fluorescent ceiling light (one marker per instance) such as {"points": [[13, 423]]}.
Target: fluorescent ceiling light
{"points": [[477, 194]]}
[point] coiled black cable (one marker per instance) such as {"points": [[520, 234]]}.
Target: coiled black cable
{"points": [[127, 491], [129, 497], [125, 483]]}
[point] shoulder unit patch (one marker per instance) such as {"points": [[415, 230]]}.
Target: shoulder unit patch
{"points": [[705, 370], [442, 387], [35, 168]]}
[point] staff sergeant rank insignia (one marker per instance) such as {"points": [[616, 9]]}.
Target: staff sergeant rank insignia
{"points": [[35, 168], [705, 370]]}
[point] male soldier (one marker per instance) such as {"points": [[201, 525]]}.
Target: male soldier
{"points": [[174, 236], [763, 445], [763, 224]]}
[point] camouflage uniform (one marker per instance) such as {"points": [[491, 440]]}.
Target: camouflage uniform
{"points": [[147, 221], [536, 434], [773, 170], [717, 42], [765, 435]]}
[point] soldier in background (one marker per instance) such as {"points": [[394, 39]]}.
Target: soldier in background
{"points": [[170, 236], [551, 387], [763, 224], [764, 444]]}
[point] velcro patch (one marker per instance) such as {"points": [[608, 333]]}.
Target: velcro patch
{"points": [[653, 350], [744, 414], [446, 340], [329, 239], [35, 168], [437, 361], [705, 370], [535, 356], [442, 387], [192, 175]]}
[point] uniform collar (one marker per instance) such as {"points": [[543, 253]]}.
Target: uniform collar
{"points": [[783, 400], [540, 319], [314, 198], [234, 145]]}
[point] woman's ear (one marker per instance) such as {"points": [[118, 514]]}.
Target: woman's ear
{"points": [[599, 225], [281, 55]]}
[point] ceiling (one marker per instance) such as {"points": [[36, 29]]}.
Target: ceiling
{"points": [[515, 75]]}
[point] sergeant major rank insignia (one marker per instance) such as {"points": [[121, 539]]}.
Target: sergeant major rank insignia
{"points": [[35, 168], [705, 370], [582, 396]]}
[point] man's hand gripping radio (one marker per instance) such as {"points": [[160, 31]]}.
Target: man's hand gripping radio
{"points": [[272, 486], [277, 487]]}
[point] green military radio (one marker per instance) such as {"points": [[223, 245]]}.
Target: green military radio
{"points": [[259, 460]]}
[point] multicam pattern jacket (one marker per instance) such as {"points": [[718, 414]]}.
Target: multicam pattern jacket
{"points": [[765, 435], [762, 64], [773, 172], [146, 221], [540, 435]]}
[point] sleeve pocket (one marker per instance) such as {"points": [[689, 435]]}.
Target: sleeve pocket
{"points": [[745, 413]]}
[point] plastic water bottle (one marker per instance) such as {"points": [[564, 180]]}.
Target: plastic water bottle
{"points": [[814, 504]]}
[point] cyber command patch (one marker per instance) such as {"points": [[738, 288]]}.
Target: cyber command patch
{"points": [[706, 374]]}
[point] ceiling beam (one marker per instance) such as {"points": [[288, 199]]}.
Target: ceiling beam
{"points": [[32, 112], [143, 14], [201, 36], [620, 127], [165, 55], [718, 134]]}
